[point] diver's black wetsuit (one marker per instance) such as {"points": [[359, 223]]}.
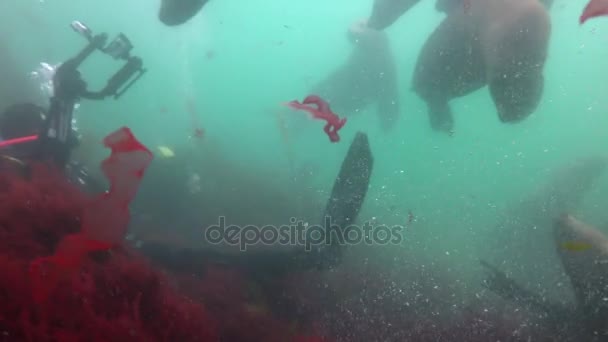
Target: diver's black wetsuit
{"points": [[22, 120]]}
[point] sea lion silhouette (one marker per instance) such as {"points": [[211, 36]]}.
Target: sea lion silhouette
{"points": [[177, 12], [501, 44]]}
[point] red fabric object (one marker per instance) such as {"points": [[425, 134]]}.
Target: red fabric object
{"points": [[105, 218], [322, 112], [594, 8]]}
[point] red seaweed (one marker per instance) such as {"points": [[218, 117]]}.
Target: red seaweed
{"points": [[107, 217], [323, 112], [242, 315], [594, 8], [111, 296], [96, 289], [104, 220]]}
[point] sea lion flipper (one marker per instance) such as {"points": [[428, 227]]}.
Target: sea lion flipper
{"points": [[440, 115], [347, 196], [449, 65], [515, 54], [177, 12]]}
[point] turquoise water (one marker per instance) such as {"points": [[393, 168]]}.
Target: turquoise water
{"points": [[239, 60]]}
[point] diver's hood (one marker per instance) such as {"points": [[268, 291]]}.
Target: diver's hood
{"points": [[177, 12], [21, 120]]}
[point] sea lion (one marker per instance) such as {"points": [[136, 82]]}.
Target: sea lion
{"points": [[583, 252], [369, 77], [449, 65], [177, 12], [523, 231], [587, 270], [502, 44]]}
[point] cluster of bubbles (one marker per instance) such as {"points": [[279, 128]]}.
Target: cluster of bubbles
{"points": [[194, 183], [43, 75]]}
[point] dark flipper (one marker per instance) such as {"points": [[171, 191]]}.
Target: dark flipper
{"points": [[450, 65], [440, 116], [177, 12], [343, 206], [386, 12], [347, 196], [526, 224], [587, 270], [498, 282]]}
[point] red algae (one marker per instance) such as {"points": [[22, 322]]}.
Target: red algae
{"points": [[104, 219], [98, 290], [242, 316], [104, 295], [118, 299], [107, 218], [112, 297]]}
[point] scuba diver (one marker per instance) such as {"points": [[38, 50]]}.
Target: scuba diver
{"points": [[21, 121], [177, 12], [30, 133]]}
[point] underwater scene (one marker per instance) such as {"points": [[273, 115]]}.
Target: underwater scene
{"points": [[304, 170]]}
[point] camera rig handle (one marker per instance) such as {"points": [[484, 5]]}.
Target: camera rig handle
{"points": [[69, 87]]}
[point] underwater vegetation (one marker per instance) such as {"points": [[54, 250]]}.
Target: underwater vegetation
{"points": [[66, 277]]}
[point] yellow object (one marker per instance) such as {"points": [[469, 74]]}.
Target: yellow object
{"points": [[166, 152], [576, 246]]}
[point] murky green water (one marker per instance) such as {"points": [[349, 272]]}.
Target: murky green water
{"points": [[237, 61]]}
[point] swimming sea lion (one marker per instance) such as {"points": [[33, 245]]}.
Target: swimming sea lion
{"points": [[449, 65], [369, 77], [502, 44], [177, 12], [587, 269], [523, 230]]}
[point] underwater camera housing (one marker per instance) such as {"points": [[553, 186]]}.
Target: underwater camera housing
{"points": [[57, 135], [119, 49], [69, 88]]}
